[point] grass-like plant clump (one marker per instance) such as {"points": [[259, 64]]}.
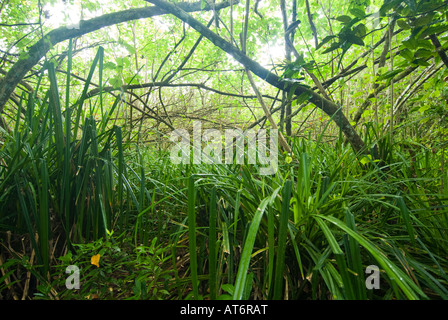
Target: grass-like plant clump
{"points": [[75, 189]]}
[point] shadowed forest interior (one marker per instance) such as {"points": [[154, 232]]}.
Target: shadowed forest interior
{"points": [[119, 178]]}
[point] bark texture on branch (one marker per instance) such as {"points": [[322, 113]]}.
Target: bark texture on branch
{"points": [[37, 51], [329, 107], [435, 41]]}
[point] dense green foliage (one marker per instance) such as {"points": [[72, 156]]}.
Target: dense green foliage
{"points": [[85, 163]]}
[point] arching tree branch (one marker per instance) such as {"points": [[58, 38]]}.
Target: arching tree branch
{"points": [[39, 49], [435, 41], [327, 106]]}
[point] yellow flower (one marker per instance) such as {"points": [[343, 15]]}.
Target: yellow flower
{"points": [[95, 260]]}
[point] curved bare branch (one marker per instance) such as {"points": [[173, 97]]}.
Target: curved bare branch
{"points": [[329, 107], [39, 49]]}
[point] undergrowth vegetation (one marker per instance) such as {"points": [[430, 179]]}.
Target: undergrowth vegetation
{"points": [[209, 231]]}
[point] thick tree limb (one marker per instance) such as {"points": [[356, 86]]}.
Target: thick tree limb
{"points": [[327, 106], [310, 20], [435, 41], [39, 49]]}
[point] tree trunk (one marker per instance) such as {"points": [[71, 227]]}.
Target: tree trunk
{"points": [[9, 83], [329, 107]]}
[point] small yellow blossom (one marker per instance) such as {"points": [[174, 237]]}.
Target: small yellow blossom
{"points": [[95, 260]]}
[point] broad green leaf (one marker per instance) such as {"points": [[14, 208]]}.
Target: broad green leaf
{"points": [[425, 44], [403, 24], [356, 40], [422, 109], [334, 46], [344, 19], [358, 12], [434, 30], [410, 43], [360, 30], [425, 6], [388, 5], [407, 54], [421, 62], [324, 41], [305, 96], [293, 90], [366, 159], [422, 20], [423, 53]]}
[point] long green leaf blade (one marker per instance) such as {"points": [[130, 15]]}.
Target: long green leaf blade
{"points": [[410, 289], [212, 246], [282, 233], [192, 237], [240, 281]]}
